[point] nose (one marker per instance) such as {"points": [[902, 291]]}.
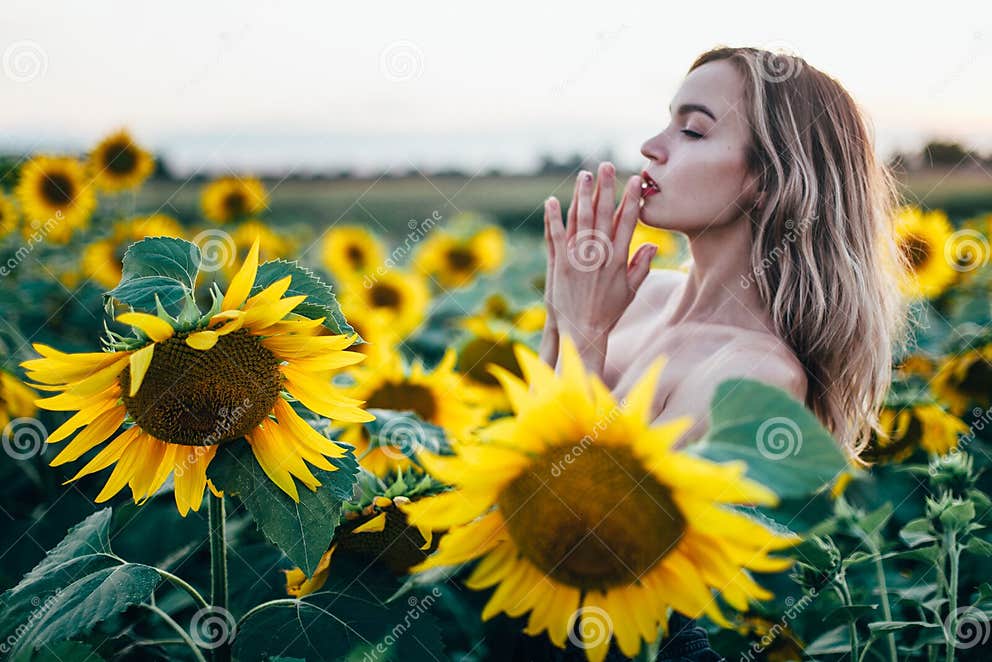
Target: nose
{"points": [[654, 148]]}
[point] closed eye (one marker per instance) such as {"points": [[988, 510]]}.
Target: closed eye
{"points": [[692, 134]]}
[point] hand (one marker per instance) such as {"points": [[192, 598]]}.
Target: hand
{"points": [[591, 281]]}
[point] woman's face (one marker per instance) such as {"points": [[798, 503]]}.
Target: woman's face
{"points": [[698, 160]]}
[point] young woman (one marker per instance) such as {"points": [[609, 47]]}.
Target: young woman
{"points": [[767, 167]]}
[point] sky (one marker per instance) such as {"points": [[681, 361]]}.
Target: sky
{"points": [[308, 86]]}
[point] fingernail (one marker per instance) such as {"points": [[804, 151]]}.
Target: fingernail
{"points": [[586, 176]]}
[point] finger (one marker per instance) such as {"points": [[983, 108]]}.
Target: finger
{"points": [[585, 210], [604, 199], [640, 266], [557, 233], [626, 216], [573, 208]]}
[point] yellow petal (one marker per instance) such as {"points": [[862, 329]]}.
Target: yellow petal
{"points": [[154, 327], [242, 282], [202, 340], [140, 360]]}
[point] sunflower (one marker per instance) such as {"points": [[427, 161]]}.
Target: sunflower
{"points": [[454, 260], [488, 345], [118, 164], [396, 299], [351, 250], [189, 388], [918, 364], [16, 399], [906, 428], [231, 198], [8, 216], [102, 260], [373, 329], [436, 396], [379, 532], [923, 239], [496, 310], [964, 379], [666, 242], [578, 509], [56, 197]]}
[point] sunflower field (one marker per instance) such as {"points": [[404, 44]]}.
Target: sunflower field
{"points": [[233, 438]]}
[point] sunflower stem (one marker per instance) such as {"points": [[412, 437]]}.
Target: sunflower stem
{"points": [[218, 568], [179, 630]]}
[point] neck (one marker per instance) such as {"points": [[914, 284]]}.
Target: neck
{"points": [[720, 287]]}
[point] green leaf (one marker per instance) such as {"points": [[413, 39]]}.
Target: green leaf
{"points": [[830, 642], [63, 651], [785, 446], [917, 532], [848, 613], [979, 547], [320, 301], [139, 293], [351, 618], [873, 522], [302, 530], [75, 586], [958, 515], [166, 257], [895, 626]]}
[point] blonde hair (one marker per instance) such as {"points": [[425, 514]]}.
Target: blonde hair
{"points": [[824, 256]]}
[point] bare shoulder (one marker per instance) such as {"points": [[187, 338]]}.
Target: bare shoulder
{"points": [[762, 357]]}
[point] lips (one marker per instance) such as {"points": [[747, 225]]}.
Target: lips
{"points": [[648, 186]]}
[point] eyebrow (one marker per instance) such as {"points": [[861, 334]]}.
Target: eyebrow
{"points": [[687, 108]]}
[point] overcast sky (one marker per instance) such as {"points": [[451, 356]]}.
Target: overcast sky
{"points": [[260, 84]]}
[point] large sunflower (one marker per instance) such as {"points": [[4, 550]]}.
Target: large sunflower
{"points": [[455, 260], [577, 509], [231, 198], [395, 299], [351, 250], [118, 164], [8, 216], [102, 260], [964, 379], [56, 197], [918, 425], [923, 239], [437, 396], [16, 399], [189, 388]]}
